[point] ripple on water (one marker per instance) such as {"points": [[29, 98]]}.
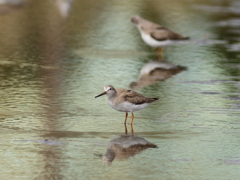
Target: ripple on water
{"points": [[233, 161]]}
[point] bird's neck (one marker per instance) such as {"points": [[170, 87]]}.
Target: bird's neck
{"points": [[111, 97]]}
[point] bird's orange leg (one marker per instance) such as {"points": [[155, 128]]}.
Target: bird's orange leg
{"points": [[125, 121], [132, 119], [159, 53]]}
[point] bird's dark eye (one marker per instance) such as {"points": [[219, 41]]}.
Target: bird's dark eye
{"points": [[110, 88]]}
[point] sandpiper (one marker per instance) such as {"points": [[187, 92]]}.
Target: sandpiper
{"points": [[156, 35], [124, 100]]}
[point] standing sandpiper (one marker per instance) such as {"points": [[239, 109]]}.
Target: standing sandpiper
{"points": [[124, 100], [156, 35]]}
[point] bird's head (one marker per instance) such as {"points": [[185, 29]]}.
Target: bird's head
{"points": [[108, 90]]}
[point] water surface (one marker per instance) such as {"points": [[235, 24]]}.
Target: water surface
{"points": [[53, 61]]}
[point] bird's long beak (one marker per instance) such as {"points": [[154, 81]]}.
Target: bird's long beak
{"points": [[101, 94]]}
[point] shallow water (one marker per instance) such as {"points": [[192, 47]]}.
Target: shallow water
{"points": [[53, 63]]}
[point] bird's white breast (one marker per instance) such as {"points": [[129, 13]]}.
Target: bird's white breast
{"points": [[127, 106], [154, 43]]}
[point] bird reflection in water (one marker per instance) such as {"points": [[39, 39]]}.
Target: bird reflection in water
{"points": [[156, 71], [125, 146], [64, 6]]}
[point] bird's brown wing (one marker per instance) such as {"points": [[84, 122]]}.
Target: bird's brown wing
{"points": [[136, 98], [161, 33]]}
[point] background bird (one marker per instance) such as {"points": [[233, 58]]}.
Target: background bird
{"points": [[156, 35]]}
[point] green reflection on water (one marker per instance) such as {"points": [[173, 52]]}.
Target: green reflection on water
{"points": [[51, 67]]}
